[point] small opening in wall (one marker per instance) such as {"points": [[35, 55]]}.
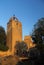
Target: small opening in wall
{"points": [[16, 23]]}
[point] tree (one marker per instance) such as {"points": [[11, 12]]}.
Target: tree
{"points": [[38, 33], [21, 47], [2, 39], [2, 36], [38, 37], [33, 53]]}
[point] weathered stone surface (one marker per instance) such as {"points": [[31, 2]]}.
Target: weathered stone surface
{"points": [[28, 41], [14, 33], [9, 60]]}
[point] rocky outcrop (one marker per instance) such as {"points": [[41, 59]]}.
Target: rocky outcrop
{"points": [[9, 60]]}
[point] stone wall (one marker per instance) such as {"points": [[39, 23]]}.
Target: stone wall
{"points": [[28, 41]]}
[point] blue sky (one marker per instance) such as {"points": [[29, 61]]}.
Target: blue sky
{"points": [[27, 11]]}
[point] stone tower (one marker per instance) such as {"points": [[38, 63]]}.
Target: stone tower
{"points": [[14, 33], [28, 41]]}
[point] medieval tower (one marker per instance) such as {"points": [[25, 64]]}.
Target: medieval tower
{"points": [[14, 33]]}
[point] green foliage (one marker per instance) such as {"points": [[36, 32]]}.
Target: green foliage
{"points": [[38, 33], [33, 53], [38, 38], [2, 36], [3, 46], [21, 47]]}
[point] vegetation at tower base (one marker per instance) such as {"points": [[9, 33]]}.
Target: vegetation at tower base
{"points": [[33, 53], [38, 34], [21, 48], [36, 54], [3, 46]]}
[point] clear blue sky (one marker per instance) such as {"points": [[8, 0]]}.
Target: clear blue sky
{"points": [[27, 11]]}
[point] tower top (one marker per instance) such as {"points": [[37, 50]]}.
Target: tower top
{"points": [[14, 18]]}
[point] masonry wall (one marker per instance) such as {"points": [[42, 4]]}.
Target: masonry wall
{"points": [[14, 33], [28, 41]]}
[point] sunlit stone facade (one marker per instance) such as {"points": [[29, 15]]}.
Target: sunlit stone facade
{"points": [[14, 33], [29, 42]]}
